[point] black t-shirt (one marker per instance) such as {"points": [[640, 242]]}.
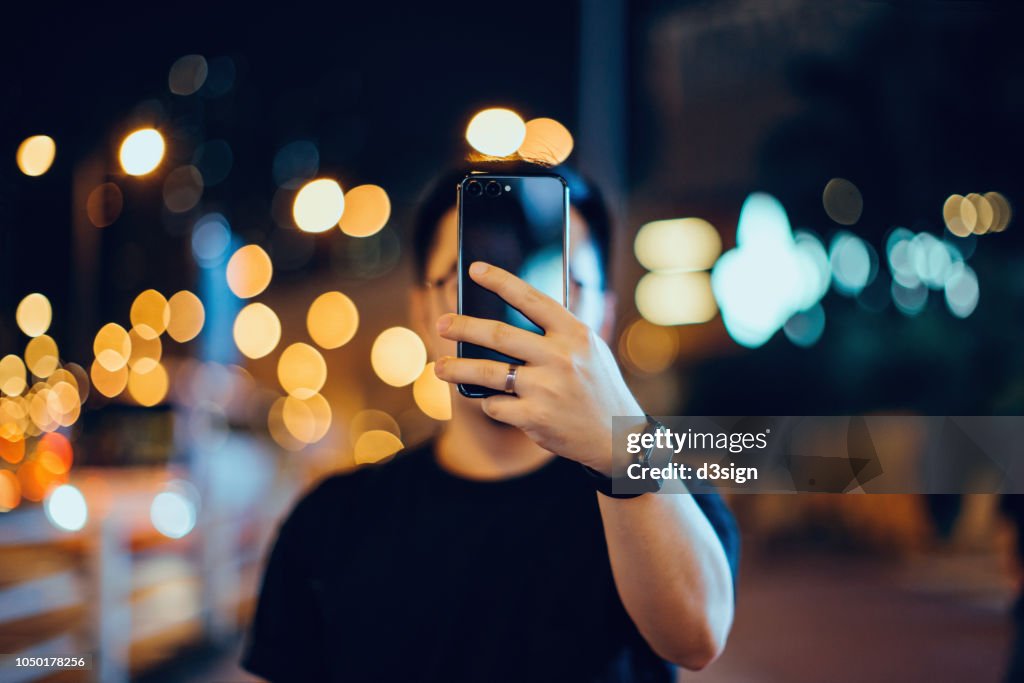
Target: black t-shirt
{"points": [[406, 572]]}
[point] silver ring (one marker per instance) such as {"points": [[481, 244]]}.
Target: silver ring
{"points": [[510, 379]]}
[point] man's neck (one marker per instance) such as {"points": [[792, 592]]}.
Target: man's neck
{"points": [[473, 446]]}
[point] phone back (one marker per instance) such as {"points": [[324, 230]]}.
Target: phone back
{"points": [[519, 223]]}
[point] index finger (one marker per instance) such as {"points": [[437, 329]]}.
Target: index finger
{"points": [[530, 301]]}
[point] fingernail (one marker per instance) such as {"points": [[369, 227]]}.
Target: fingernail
{"points": [[478, 268], [444, 322], [439, 365]]}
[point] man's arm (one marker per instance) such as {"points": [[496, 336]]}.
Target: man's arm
{"points": [[669, 567], [672, 574]]}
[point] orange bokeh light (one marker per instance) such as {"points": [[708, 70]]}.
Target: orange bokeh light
{"points": [[10, 491], [58, 450], [12, 450]]}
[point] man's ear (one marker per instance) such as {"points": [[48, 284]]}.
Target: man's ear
{"points": [[608, 321]]}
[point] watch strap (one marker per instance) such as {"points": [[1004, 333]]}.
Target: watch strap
{"points": [[628, 488]]}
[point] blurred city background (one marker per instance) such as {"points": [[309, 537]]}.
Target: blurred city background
{"points": [[204, 225]]}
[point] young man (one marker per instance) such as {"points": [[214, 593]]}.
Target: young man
{"points": [[490, 554]]}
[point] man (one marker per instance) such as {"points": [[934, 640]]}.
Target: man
{"points": [[491, 554]]}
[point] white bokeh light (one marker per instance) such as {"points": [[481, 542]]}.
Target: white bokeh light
{"points": [[66, 508], [850, 258], [769, 276], [142, 151], [173, 511], [962, 290]]}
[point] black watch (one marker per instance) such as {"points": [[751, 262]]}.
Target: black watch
{"points": [[631, 488]]}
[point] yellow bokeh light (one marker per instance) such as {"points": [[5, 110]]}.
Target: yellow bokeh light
{"points": [[35, 155], [318, 206], [30, 427], [398, 356], [249, 271], [145, 354], [301, 370], [64, 410], [309, 419], [142, 151], [112, 347], [13, 418], [370, 419], [376, 445], [64, 404], [1001, 209], [39, 410], [63, 375], [148, 388], [278, 430], [12, 375], [187, 316], [34, 314], [367, 210], [676, 298], [951, 216], [257, 330], [432, 395], [649, 348], [109, 383], [984, 214], [496, 132], [682, 244], [332, 320], [150, 314], [547, 142], [968, 214], [41, 356]]}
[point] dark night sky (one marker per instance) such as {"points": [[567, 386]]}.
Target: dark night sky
{"points": [[915, 102], [384, 91]]}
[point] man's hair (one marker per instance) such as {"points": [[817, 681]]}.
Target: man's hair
{"points": [[440, 197]]}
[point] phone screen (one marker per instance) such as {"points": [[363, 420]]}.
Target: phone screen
{"points": [[519, 223]]}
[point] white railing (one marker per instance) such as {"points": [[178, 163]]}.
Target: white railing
{"points": [[120, 589]]}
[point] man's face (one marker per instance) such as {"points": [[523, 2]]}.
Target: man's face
{"points": [[587, 299]]}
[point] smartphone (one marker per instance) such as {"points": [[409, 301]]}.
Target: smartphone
{"points": [[519, 223]]}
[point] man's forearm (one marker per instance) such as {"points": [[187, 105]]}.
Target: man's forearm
{"points": [[671, 573]]}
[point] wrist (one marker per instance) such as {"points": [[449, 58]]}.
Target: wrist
{"points": [[630, 476], [627, 427]]}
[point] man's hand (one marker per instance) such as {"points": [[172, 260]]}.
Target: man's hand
{"points": [[570, 386], [670, 569]]}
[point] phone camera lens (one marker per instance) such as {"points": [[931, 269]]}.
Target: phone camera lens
{"points": [[493, 189], [474, 188]]}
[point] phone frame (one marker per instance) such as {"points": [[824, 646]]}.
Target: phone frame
{"points": [[473, 390]]}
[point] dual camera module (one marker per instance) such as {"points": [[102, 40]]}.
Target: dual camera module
{"points": [[492, 188]]}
